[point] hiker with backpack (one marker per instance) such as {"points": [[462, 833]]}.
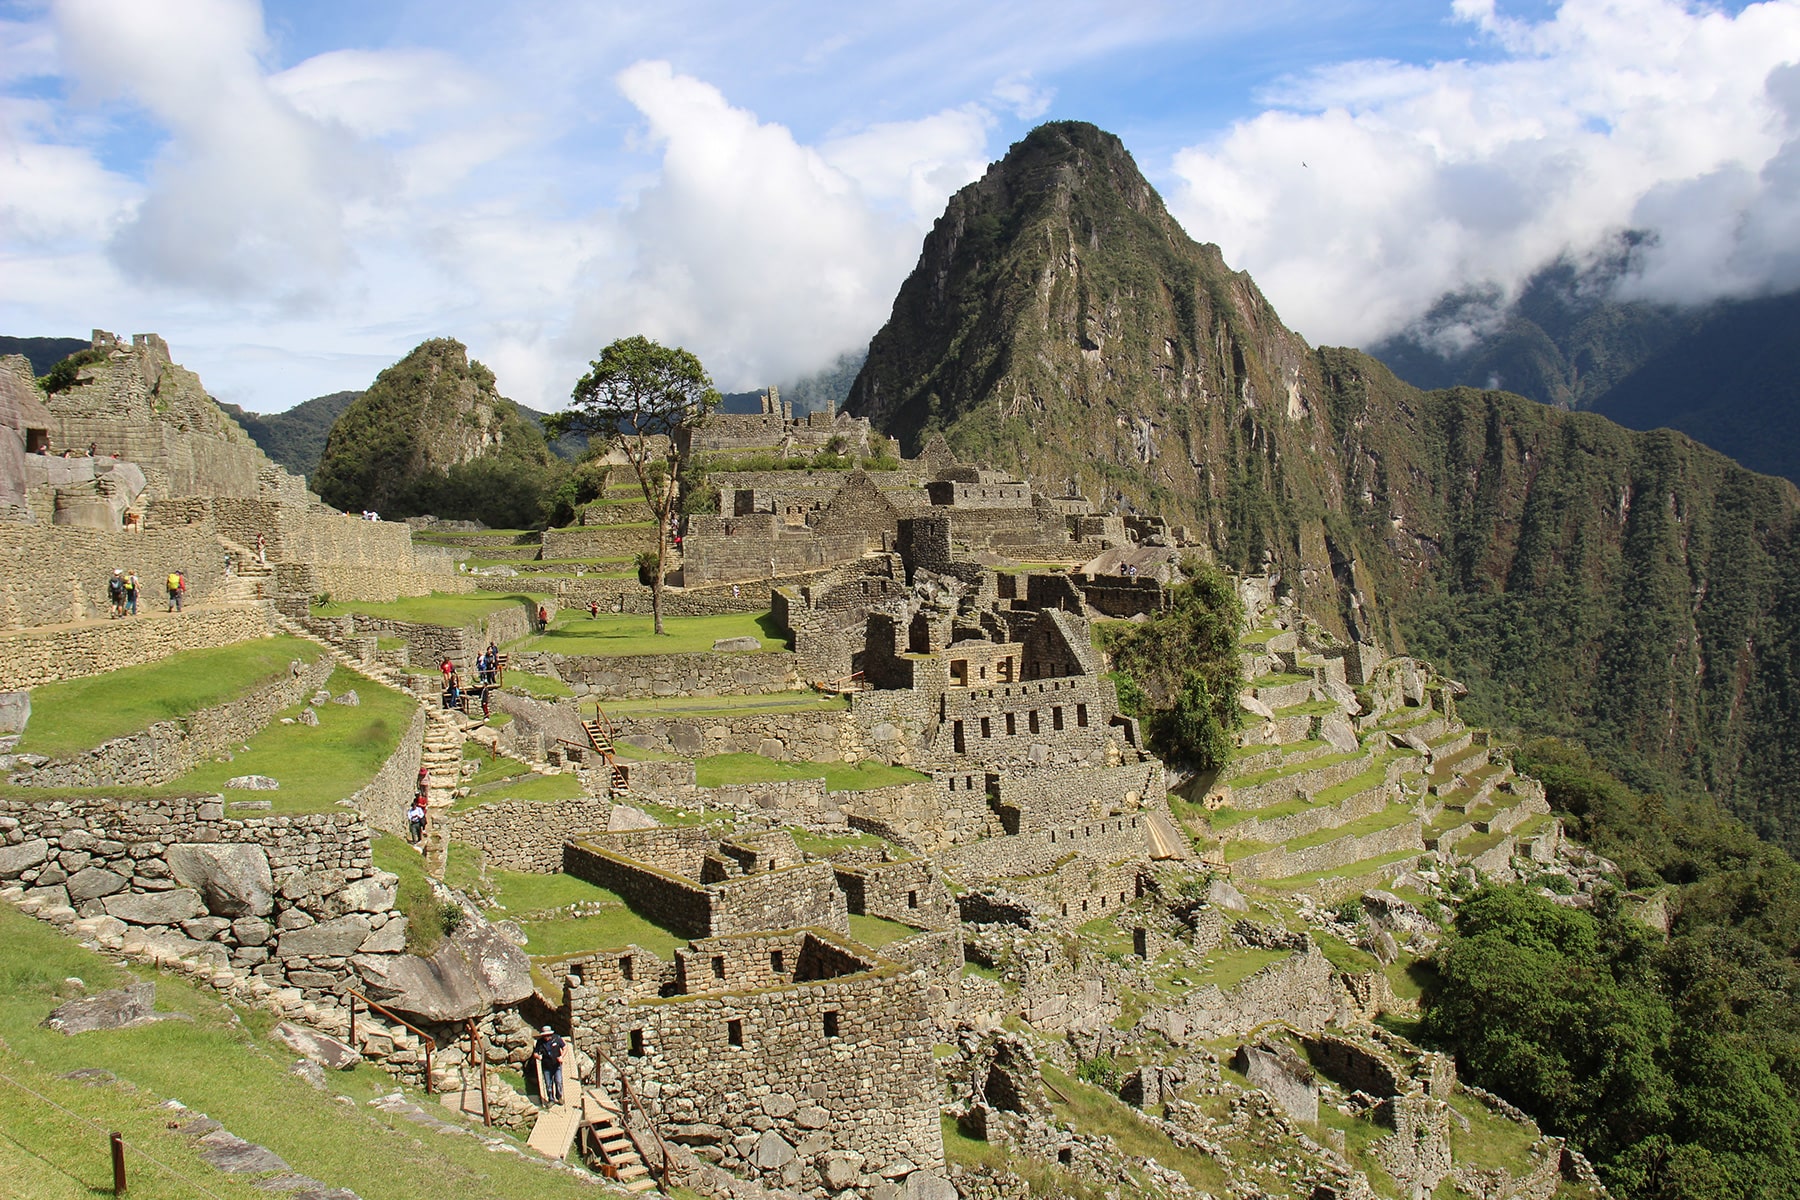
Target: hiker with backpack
{"points": [[131, 591], [115, 592], [177, 590]]}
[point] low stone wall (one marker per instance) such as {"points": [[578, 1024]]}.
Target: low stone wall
{"points": [[1298, 990], [792, 801], [1308, 782], [829, 736], [431, 644], [36, 656], [169, 749], [343, 582], [629, 596], [661, 897], [1285, 829], [792, 898], [641, 676], [598, 541], [1280, 862], [924, 816], [290, 898], [1036, 851], [526, 835], [911, 891], [383, 801]]}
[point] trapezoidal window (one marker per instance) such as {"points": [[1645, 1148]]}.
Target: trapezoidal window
{"points": [[734, 1033], [956, 736], [637, 1043], [776, 962], [1056, 717], [1011, 724], [718, 966], [831, 1023]]}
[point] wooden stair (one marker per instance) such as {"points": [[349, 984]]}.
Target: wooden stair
{"points": [[611, 1146], [600, 737]]}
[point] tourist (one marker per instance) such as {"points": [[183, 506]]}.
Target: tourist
{"points": [[547, 1053], [131, 591], [543, 616], [593, 610], [262, 551], [93, 449], [453, 694], [448, 668], [177, 590], [415, 817], [484, 702], [115, 592]]}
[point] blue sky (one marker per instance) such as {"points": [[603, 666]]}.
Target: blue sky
{"points": [[297, 192]]}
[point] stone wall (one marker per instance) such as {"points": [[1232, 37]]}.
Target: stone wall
{"points": [[598, 541], [1280, 863], [526, 835], [656, 873], [839, 1065], [36, 656], [431, 644], [169, 749], [292, 898], [678, 904], [950, 809], [1035, 851], [1049, 797], [828, 736], [383, 801], [640, 676], [910, 891], [792, 898], [59, 573], [1298, 990]]}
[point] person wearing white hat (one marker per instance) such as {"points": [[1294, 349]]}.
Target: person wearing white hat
{"points": [[548, 1054]]}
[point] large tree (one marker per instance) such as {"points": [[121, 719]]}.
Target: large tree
{"points": [[643, 398]]}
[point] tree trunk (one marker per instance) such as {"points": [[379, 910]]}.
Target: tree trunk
{"points": [[656, 581]]}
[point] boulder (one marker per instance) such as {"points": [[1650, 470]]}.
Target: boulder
{"points": [[205, 929], [308, 717], [232, 876], [101, 929], [349, 699], [16, 860], [233, 1155], [624, 817], [120, 1008], [253, 783], [928, 1185], [1340, 734], [840, 1168], [306, 884], [1255, 707], [339, 937], [90, 883], [375, 894], [737, 643], [1220, 894], [772, 1151], [156, 908], [15, 711], [389, 939], [250, 931], [474, 970], [317, 1047]]}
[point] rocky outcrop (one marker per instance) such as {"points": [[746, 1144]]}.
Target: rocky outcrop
{"points": [[474, 970]]}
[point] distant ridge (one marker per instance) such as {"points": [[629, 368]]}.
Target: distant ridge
{"points": [[43, 352]]}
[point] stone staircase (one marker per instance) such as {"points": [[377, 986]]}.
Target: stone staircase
{"points": [[250, 579]]}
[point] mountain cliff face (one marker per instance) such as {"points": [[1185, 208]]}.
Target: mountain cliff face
{"points": [[1634, 588], [431, 411]]}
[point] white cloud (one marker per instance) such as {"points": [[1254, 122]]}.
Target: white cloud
{"points": [[763, 255], [376, 94], [1023, 98], [1371, 188]]}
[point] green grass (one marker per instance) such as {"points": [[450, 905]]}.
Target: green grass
{"points": [[541, 789], [1387, 818], [424, 915], [610, 930], [1308, 708], [825, 845], [1244, 848], [1286, 677], [1362, 866], [675, 707], [221, 1063], [79, 714], [316, 765], [1374, 777], [1270, 774], [574, 632], [1228, 969], [493, 768], [719, 770], [876, 932], [438, 608], [1093, 1111], [541, 686], [1344, 956], [1492, 1141]]}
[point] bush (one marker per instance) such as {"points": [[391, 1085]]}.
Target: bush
{"points": [[66, 374], [1101, 1072]]}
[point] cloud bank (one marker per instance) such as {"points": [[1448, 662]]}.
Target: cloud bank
{"points": [[1368, 189]]}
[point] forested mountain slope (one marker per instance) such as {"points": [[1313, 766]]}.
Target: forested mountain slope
{"points": [[1637, 589]]}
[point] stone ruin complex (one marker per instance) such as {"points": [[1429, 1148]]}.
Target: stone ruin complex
{"points": [[1061, 899]]}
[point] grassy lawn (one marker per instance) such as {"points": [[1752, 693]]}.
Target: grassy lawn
{"points": [[721, 769], [572, 631], [439, 608], [1093, 1111], [221, 1063], [1362, 866], [541, 686], [539, 788], [1227, 970], [1343, 955], [424, 915], [317, 766], [1492, 1141], [79, 714], [1291, 767], [1387, 818], [826, 845], [676, 707], [876, 932], [493, 767], [610, 930]]}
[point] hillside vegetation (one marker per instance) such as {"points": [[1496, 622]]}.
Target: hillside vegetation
{"points": [[1634, 588]]}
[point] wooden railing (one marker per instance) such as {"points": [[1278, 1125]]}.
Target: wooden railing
{"points": [[630, 1098], [425, 1039], [477, 1054]]}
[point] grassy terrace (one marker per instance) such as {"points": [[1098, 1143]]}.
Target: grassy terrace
{"points": [[1355, 870], [1292, 768], [222, 1063], [718, 770], [532, 900], [439, 608], [1387, 818], [572, 631], [79, 714], [1286, 677], [1094, 1111], [317, 766], [876, 932], [677, 707]]}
